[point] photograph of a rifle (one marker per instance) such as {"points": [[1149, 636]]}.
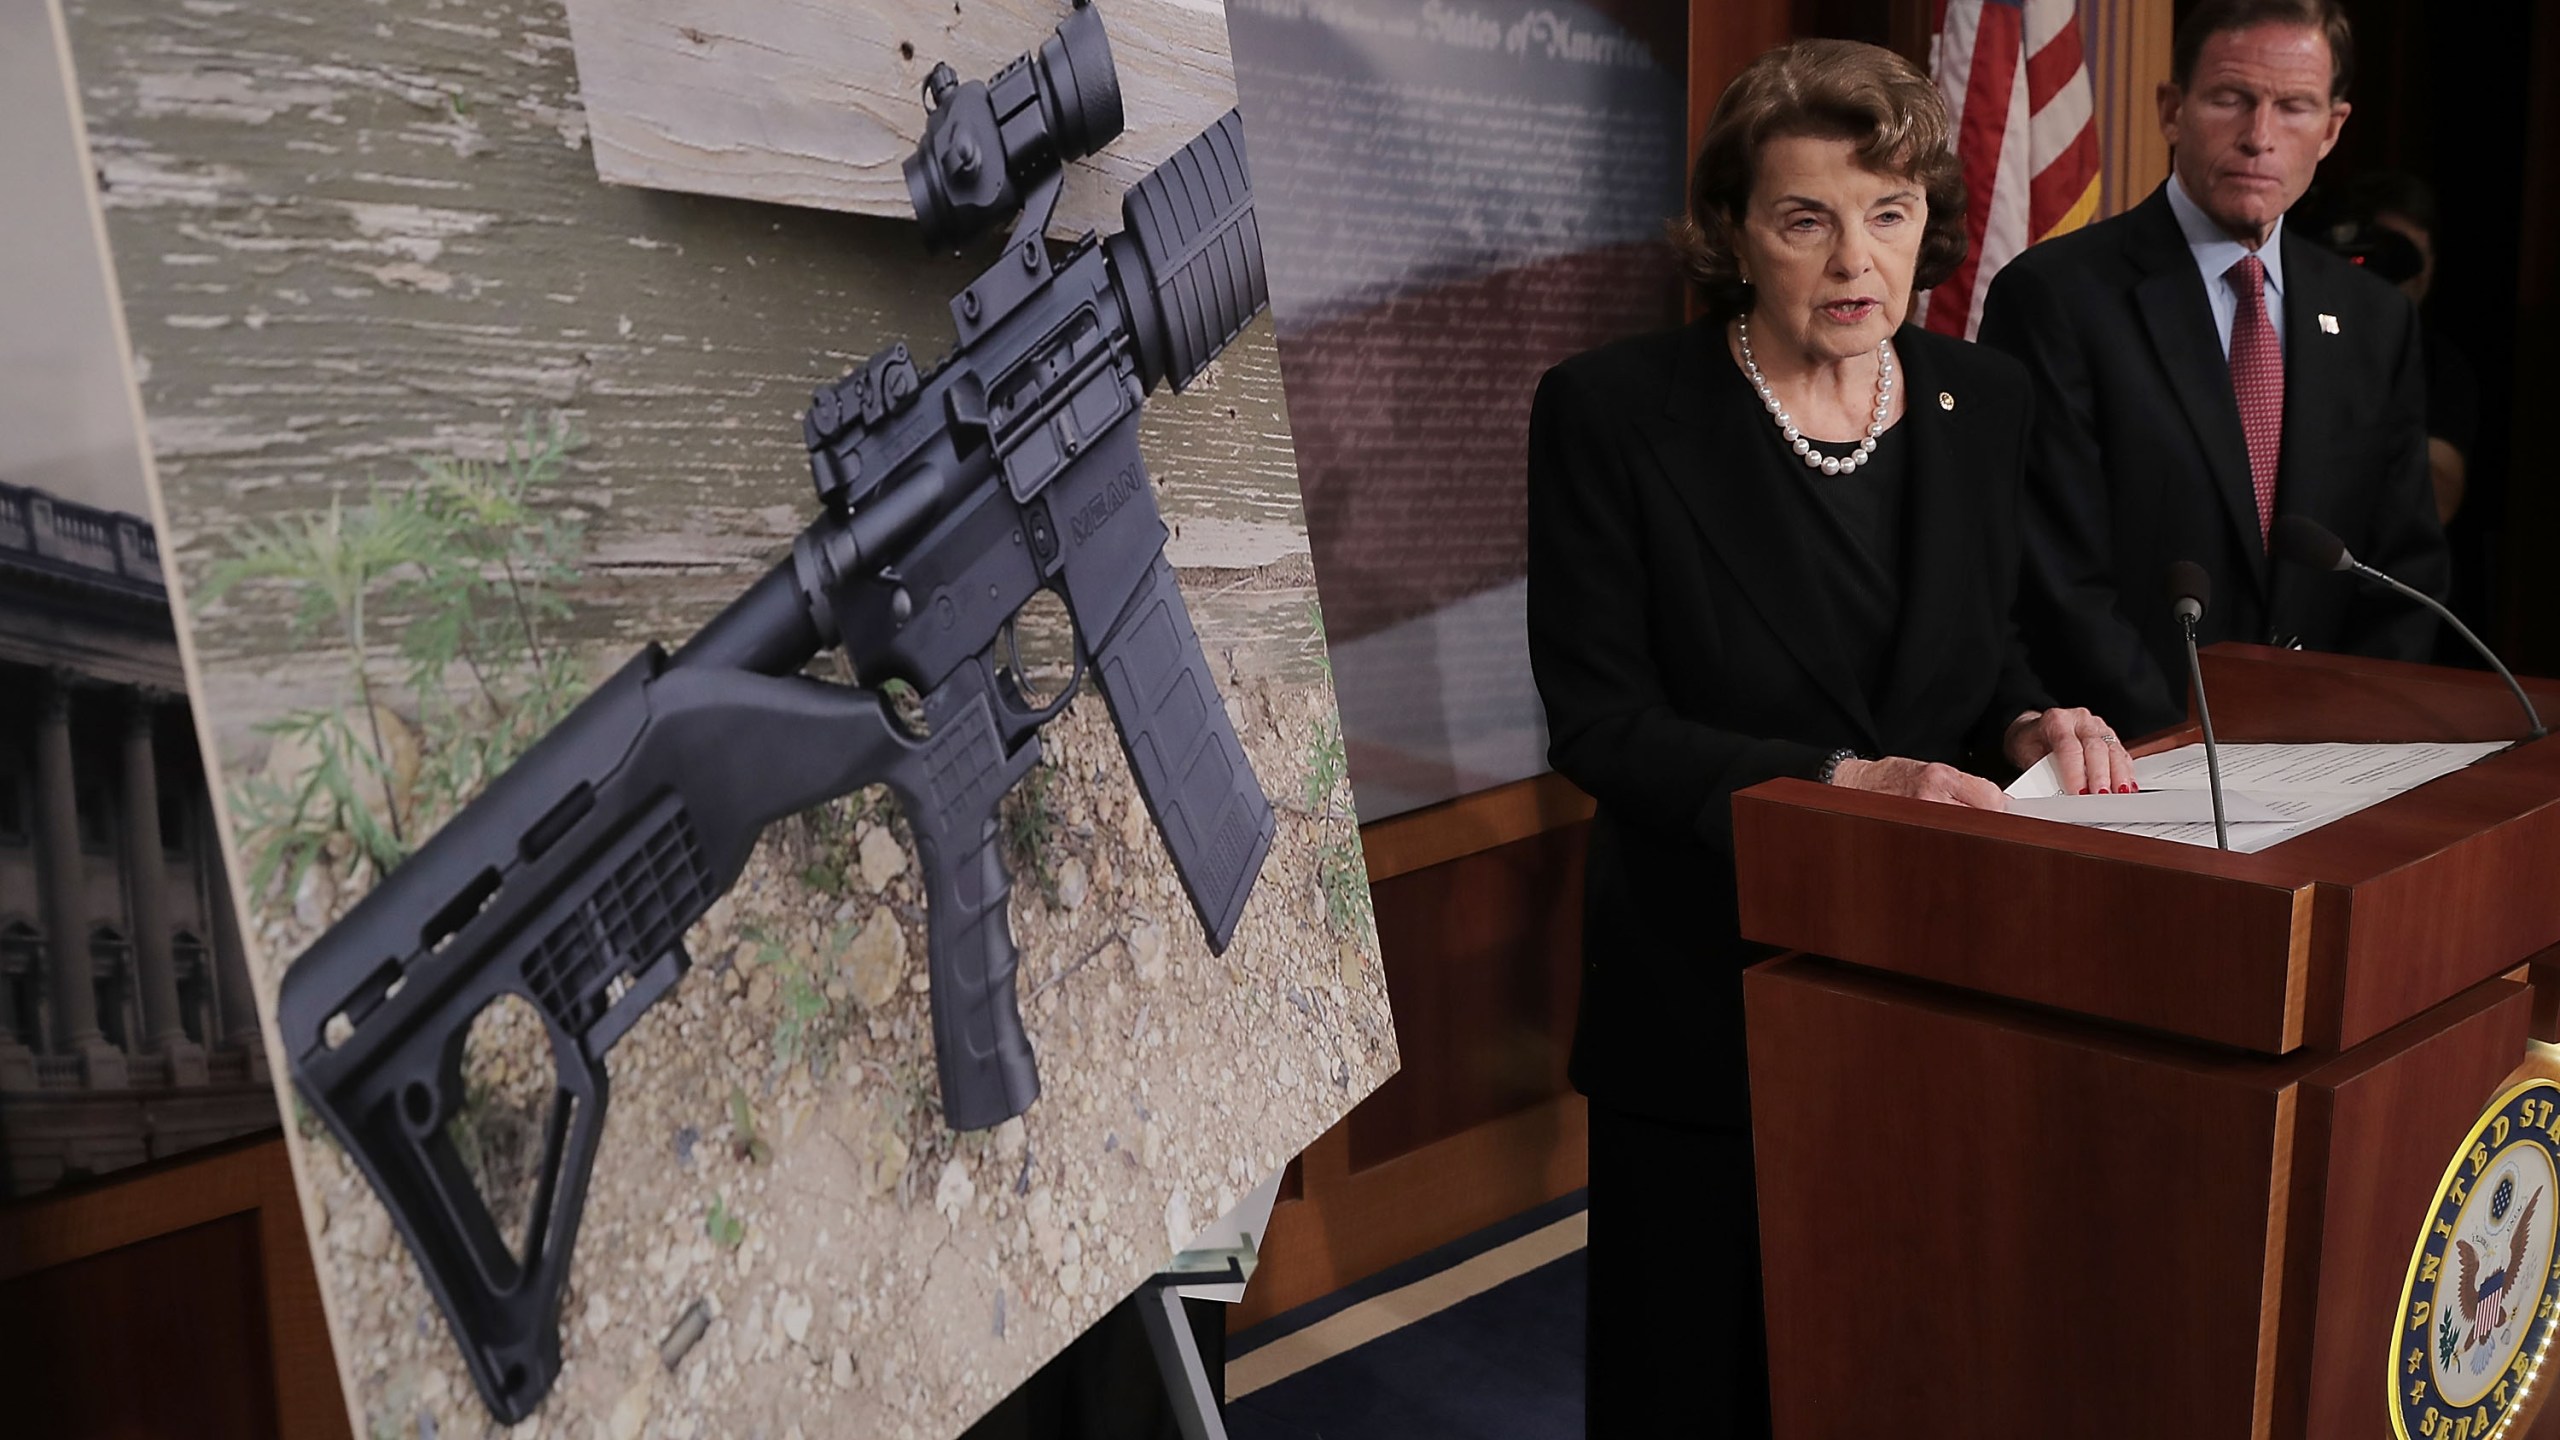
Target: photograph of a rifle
{"points": [[951, 496]]}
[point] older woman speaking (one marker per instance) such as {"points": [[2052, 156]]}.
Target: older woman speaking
{"points": [[1781, 541]]}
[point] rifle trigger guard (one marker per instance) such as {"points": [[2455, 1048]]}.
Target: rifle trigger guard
{"points": [[1021, 717]]}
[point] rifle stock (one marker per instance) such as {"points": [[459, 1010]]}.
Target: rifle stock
{"points": [[568, 884]]}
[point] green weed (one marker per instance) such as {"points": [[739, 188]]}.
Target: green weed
{"points": [[830, 838], [1342, 877], [1030, 827], [457, 574], [801, 1035], [744, 1142], [338, 564], [723, 1224], [1327, 769]]}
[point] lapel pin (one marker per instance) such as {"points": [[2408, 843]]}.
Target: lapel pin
{"points": [[2328, 324], [1946, 401]]}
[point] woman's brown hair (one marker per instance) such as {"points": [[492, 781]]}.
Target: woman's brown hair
{"points": [[1829, 89]]}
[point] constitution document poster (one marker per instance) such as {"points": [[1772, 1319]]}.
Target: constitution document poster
{"points": [[1457, 195], [449, 428]]}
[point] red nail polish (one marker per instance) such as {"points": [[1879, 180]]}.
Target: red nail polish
{"points": [[2124, 789]]}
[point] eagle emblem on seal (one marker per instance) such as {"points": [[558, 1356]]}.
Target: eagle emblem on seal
{"points": [[2488, 1301], [2480, 1303]]}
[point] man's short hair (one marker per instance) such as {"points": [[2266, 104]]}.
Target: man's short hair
{"points": [[2218, 17]]}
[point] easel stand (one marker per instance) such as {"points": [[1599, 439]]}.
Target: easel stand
{"points": [[1186, 1379]]}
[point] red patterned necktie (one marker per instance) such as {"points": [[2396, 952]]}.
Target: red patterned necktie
{"points": [[2257, 381]]}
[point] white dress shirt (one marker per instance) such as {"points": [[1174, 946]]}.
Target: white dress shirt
{"points": [[2217, 252]]}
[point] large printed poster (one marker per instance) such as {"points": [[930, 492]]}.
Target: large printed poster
{"points": [[1460, 194], [447, 432]]}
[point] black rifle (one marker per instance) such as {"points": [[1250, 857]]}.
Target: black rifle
{"points": [[951, 497]]}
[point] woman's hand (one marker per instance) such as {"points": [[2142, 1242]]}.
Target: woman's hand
{"points": [[1921, 780], [2086, 753]]}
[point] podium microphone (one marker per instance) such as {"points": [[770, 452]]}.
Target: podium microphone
{"points": [[2189, 591], [2307, 542]]}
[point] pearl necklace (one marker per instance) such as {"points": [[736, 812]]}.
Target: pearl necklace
{"points": [[1815, 459]]}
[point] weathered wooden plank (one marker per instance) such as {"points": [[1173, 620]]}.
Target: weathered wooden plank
{"points": [[817, 103]]}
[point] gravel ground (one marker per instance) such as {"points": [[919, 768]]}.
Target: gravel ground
{"points": [[775, 1157]]}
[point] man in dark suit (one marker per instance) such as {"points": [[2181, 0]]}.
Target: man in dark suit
{"points": [[2200, 371]]}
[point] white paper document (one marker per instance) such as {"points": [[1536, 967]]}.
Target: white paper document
{"points": [[2270, 793], [2334, 769], [2149, 807]]}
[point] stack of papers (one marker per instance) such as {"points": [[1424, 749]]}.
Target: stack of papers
{"points": [[2270, 793]]}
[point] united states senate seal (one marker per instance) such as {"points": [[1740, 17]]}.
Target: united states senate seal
{"points": [[2478, 1306]]}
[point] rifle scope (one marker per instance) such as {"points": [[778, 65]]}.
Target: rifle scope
{"points": [[986, 144]]}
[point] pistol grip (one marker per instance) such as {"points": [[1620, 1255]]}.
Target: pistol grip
{"points": [[988, 1074]]}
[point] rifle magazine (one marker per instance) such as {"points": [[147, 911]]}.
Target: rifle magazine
{"points": [[1201, 791]]}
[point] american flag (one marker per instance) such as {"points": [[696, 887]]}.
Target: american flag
{"points": [[2017, 89]]}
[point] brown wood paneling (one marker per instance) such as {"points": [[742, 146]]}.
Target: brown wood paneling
{"points": [[2175, 938], [1483, 959], [1978, 1220], [2267, 694], [1470, 824], [1480, 958], [1974, 1169], [2130, 45], [2450, 883], [2479, 903], [2240, 1223], [240, 1195], [309, 1391], [1354, 1225], [186, 1309], [1724, 36], [2543, 974], [2327, 939], [2378, 1125]]}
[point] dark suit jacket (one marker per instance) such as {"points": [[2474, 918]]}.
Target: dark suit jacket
{"points": [[2139, 461], [1684, 649]]}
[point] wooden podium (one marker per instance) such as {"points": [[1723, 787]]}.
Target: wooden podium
{"points": [[2093, 1135]]}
